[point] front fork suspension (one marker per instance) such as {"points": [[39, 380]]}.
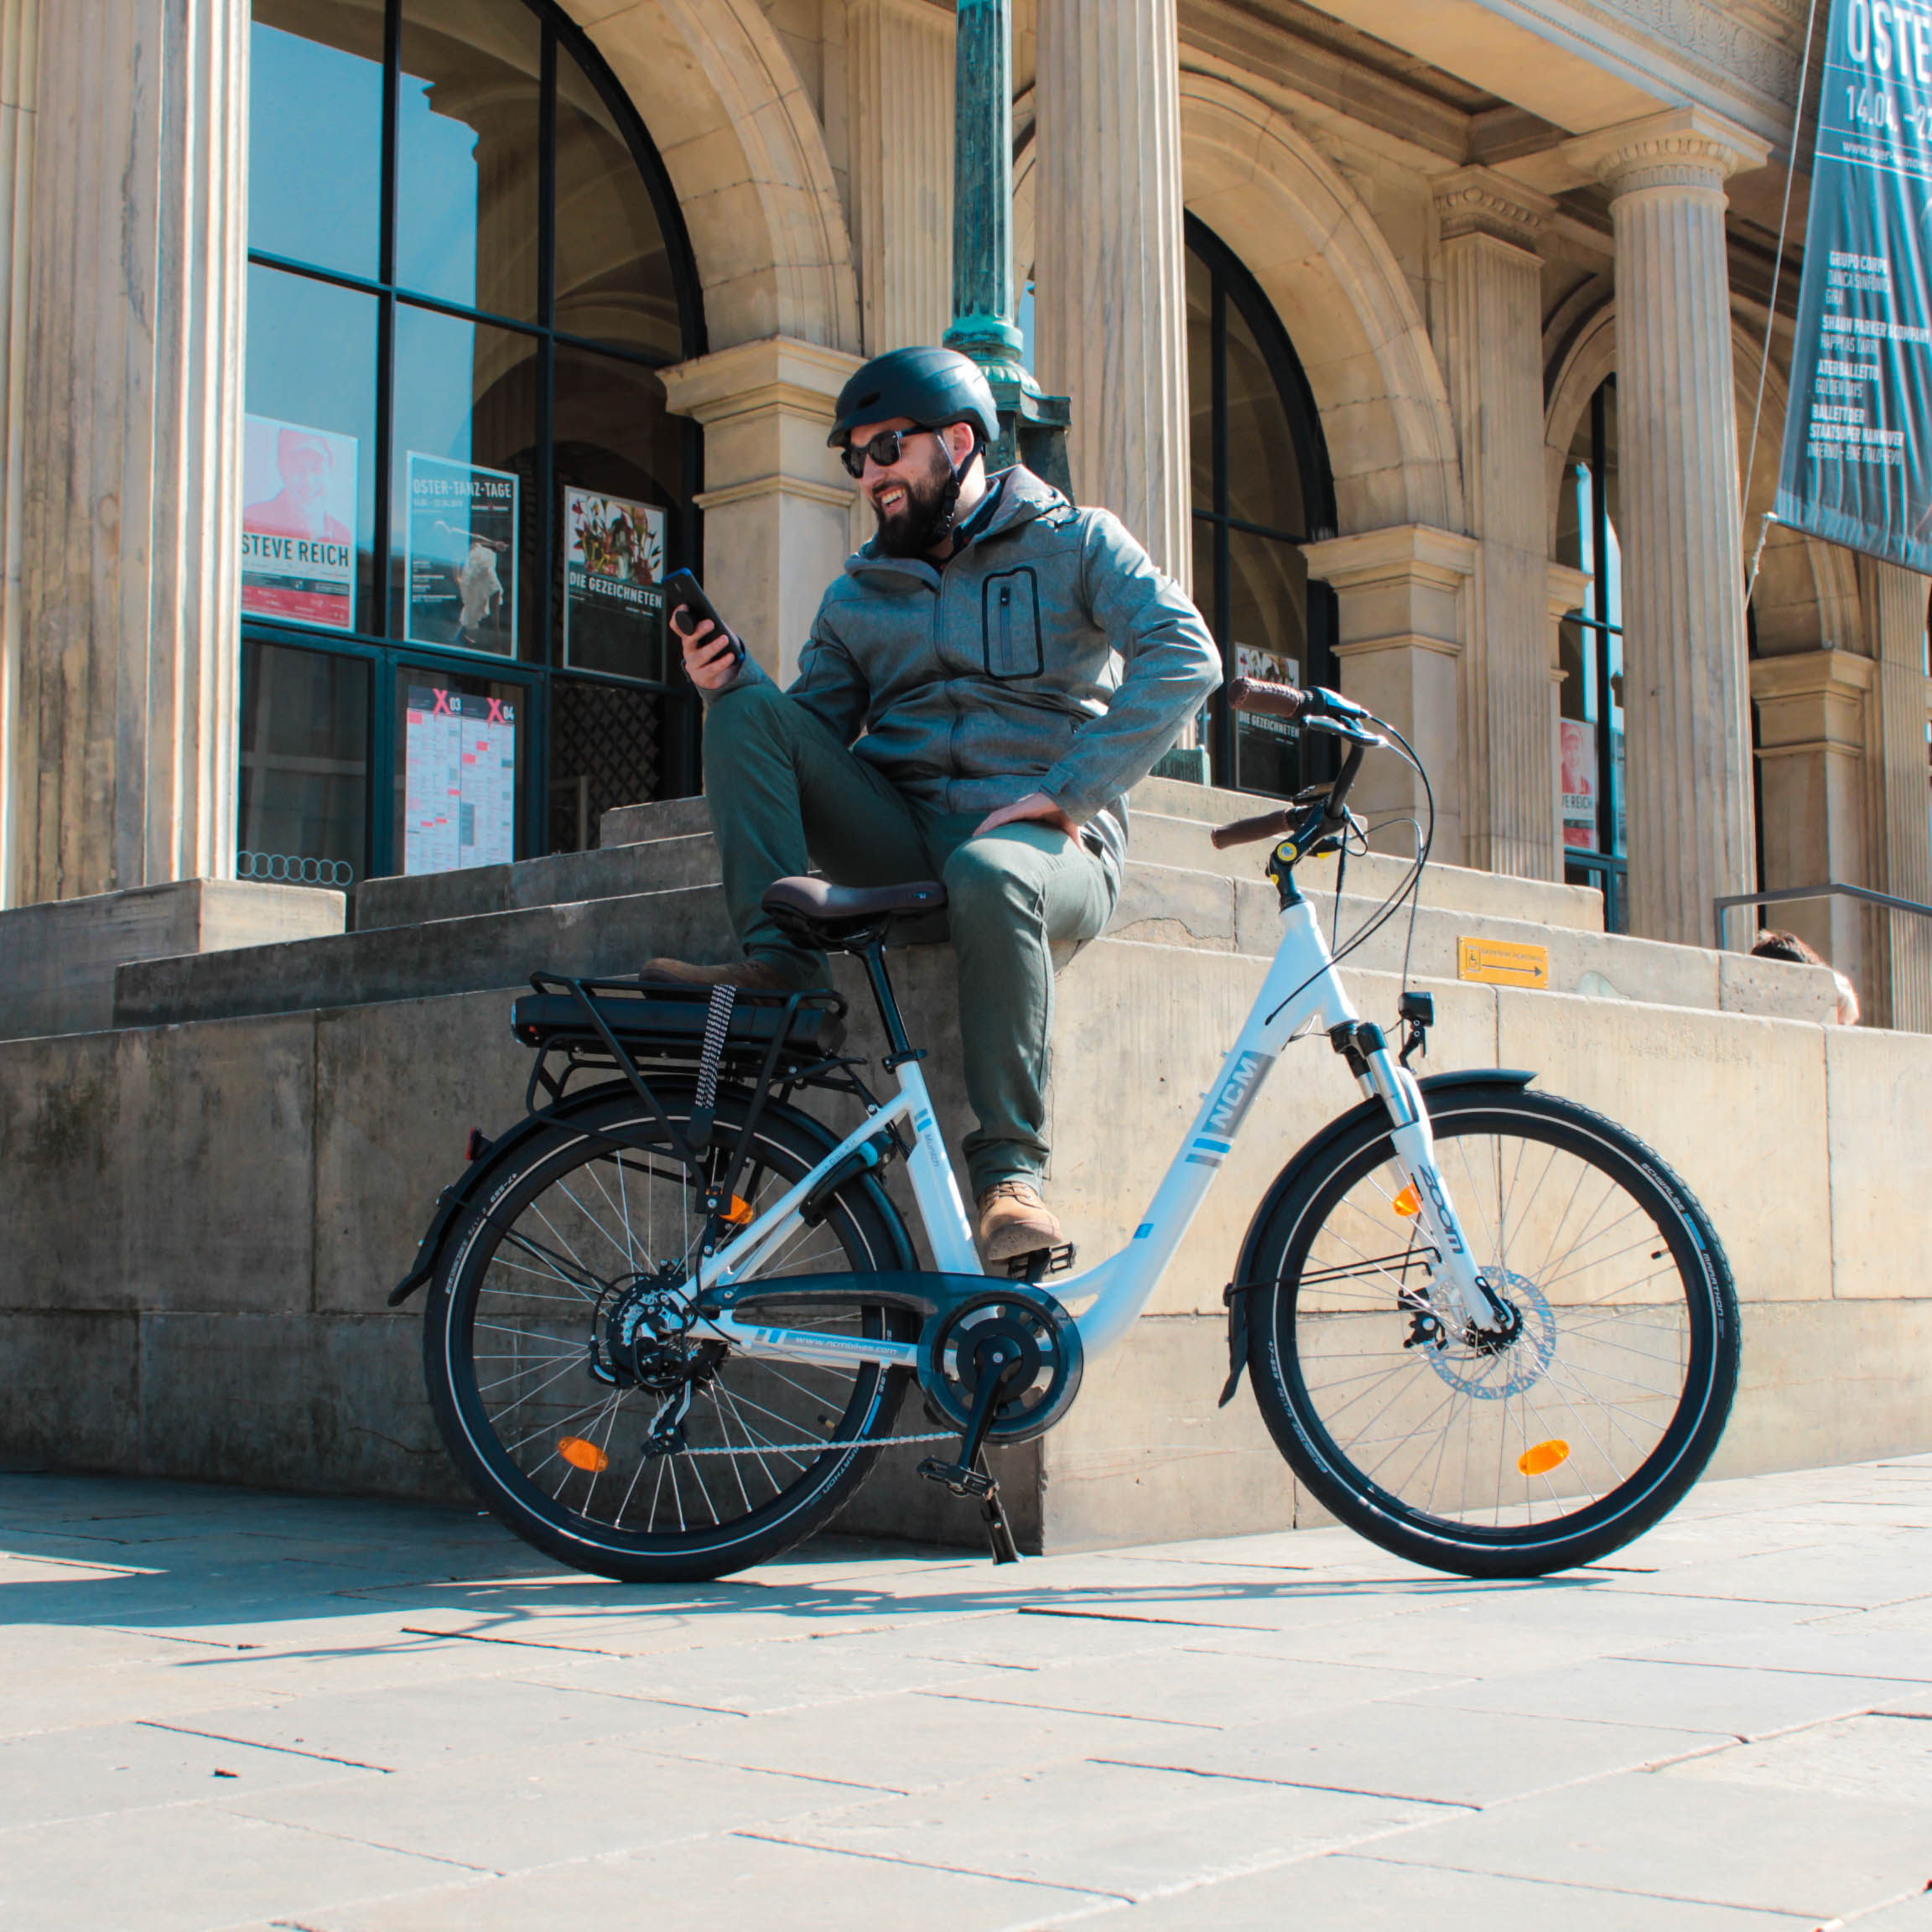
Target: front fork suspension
{"points": [[1387, 1080]]}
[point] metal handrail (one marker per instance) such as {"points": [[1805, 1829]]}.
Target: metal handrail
{"points": [[1719, 907]]}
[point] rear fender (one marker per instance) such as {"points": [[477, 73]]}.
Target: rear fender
{"points": [[1311, 1156]]}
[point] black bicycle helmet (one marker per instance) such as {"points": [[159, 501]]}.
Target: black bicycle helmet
{"points": [[930, 387]]}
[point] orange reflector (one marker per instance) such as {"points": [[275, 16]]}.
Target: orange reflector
{"points": [[1408, 1202], [740, 1213], [582, 1455], [1543, 1457]]}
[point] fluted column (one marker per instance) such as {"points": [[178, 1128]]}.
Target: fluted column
{"points": [[900, 64], [1493, 344], [1686, 703], [1110, 300], [125, 766], [19, 44], [1895, 613]]}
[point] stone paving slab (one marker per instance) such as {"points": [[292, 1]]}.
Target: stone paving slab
{"points": [[224, 1712]]}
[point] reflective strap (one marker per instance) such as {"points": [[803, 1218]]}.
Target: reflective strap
{"points": [[717, 1026]]}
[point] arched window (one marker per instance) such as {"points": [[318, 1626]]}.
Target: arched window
{"points": [[1262, 487], [467, 267], [1591, 699]]}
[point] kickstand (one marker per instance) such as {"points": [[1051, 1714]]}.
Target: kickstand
{"points": [[999, 1530], [969, 1476]]}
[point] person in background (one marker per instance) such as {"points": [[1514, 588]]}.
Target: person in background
{"points": [[1788, 946]]}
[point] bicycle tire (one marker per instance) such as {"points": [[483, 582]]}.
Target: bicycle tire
{"points": [[548, 1442], [1595, 1468]]}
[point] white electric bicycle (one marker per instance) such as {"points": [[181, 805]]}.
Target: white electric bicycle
{"points": [[673, 1316]]}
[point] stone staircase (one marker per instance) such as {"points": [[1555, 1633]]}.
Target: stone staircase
{"points": [[652, 887]]}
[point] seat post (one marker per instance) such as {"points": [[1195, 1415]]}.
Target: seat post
{"points": [[898, 1047]]}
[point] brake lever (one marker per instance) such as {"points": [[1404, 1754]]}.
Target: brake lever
{"points": [[1344, 728]]}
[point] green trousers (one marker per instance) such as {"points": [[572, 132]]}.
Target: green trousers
{"points": [[785, 794]]}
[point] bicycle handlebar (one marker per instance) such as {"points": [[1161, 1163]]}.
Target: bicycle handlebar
{"points": [[1246, 831], [1276, 700]]}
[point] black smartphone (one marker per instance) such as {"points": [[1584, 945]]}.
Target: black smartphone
{"points": [[683, 592]]}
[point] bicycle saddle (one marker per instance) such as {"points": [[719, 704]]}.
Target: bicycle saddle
{"points": [[823, 913]]}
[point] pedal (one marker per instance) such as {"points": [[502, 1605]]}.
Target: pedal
{"points": [[1037, 1263], [957, 1477], [978, 1482]]}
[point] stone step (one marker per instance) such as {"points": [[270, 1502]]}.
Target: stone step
{"points": [[653, 847], [1175, 906], [1170, 840], [564, 879]]}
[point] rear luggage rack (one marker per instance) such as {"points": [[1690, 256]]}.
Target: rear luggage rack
{"points": [[621, 1025]]}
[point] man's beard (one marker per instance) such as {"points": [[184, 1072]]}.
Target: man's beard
{"points": [[921, 522]]}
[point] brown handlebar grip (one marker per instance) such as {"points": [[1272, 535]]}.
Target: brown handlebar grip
{"points": [[1246, 831], [1278, 700]]}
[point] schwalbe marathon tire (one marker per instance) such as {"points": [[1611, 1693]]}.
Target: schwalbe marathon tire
{"points": [[1515, 1551], [867, 1226]]}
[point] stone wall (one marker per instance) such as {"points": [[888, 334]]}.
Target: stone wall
{"points": [[203, 1220]]}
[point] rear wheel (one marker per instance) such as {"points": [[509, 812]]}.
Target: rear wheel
{"points": [[1487, 1458], [585, 1422]]}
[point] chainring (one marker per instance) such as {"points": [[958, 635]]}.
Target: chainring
{"points": [[1045, 1382]]}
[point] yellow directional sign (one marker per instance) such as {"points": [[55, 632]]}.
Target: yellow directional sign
{"points": [[1501, 962]]}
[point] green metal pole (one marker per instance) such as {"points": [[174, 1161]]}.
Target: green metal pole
{"points": [[1033, 427]]}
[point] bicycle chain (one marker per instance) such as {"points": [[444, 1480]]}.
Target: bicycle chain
{"points": [[820, 1447]]}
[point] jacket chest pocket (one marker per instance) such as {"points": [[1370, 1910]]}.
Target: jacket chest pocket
{"points": [[1010, 615]]}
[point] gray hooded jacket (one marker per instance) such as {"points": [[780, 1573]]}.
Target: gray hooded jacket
{"points": [[1047, 655]]}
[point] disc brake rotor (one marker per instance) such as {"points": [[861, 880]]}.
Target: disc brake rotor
{"points": [[1489, 1373]]}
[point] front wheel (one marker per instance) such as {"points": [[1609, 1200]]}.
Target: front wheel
{"points": [[1487, 1457]]}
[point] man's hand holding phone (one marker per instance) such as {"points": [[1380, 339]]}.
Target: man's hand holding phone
{"points": [[712, 654]]}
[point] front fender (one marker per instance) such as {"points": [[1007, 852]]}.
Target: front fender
{"points": [[1308, 1157]]}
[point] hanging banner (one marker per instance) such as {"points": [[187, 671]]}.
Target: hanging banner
{"points": [[613, 562], [1857, 462], [298, 523], [1578, 745], [461, 555]]}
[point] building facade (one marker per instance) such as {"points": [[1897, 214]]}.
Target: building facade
{"points": [[366, 361]]}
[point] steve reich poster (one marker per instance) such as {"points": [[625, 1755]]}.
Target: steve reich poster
{"points": [[613, 562], [461, 554], [298, 523], [1857, 460]]}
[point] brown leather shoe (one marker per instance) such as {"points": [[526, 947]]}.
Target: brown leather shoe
{"points": [[750, 975], [1014, 1220]]}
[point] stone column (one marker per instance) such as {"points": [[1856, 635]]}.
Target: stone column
{"points": [[19, 43], [1493, 356], [1684, 697], [777, 506], [900, 91], [1813, 712], [124, 772], [1895, 615], [1403, 594], [1110, 300]]}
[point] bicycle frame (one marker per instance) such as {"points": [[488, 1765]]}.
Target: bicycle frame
{"points": [[1302, 986]]}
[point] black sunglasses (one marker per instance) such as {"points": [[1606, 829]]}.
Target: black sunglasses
{"points": [[885, 449]]}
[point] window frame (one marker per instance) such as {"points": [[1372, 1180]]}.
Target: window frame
{"points": [[1600, 866], [1231, 282], [534, 674]]}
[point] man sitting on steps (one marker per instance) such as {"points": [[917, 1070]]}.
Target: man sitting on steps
{"points": [[992, 673]]}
